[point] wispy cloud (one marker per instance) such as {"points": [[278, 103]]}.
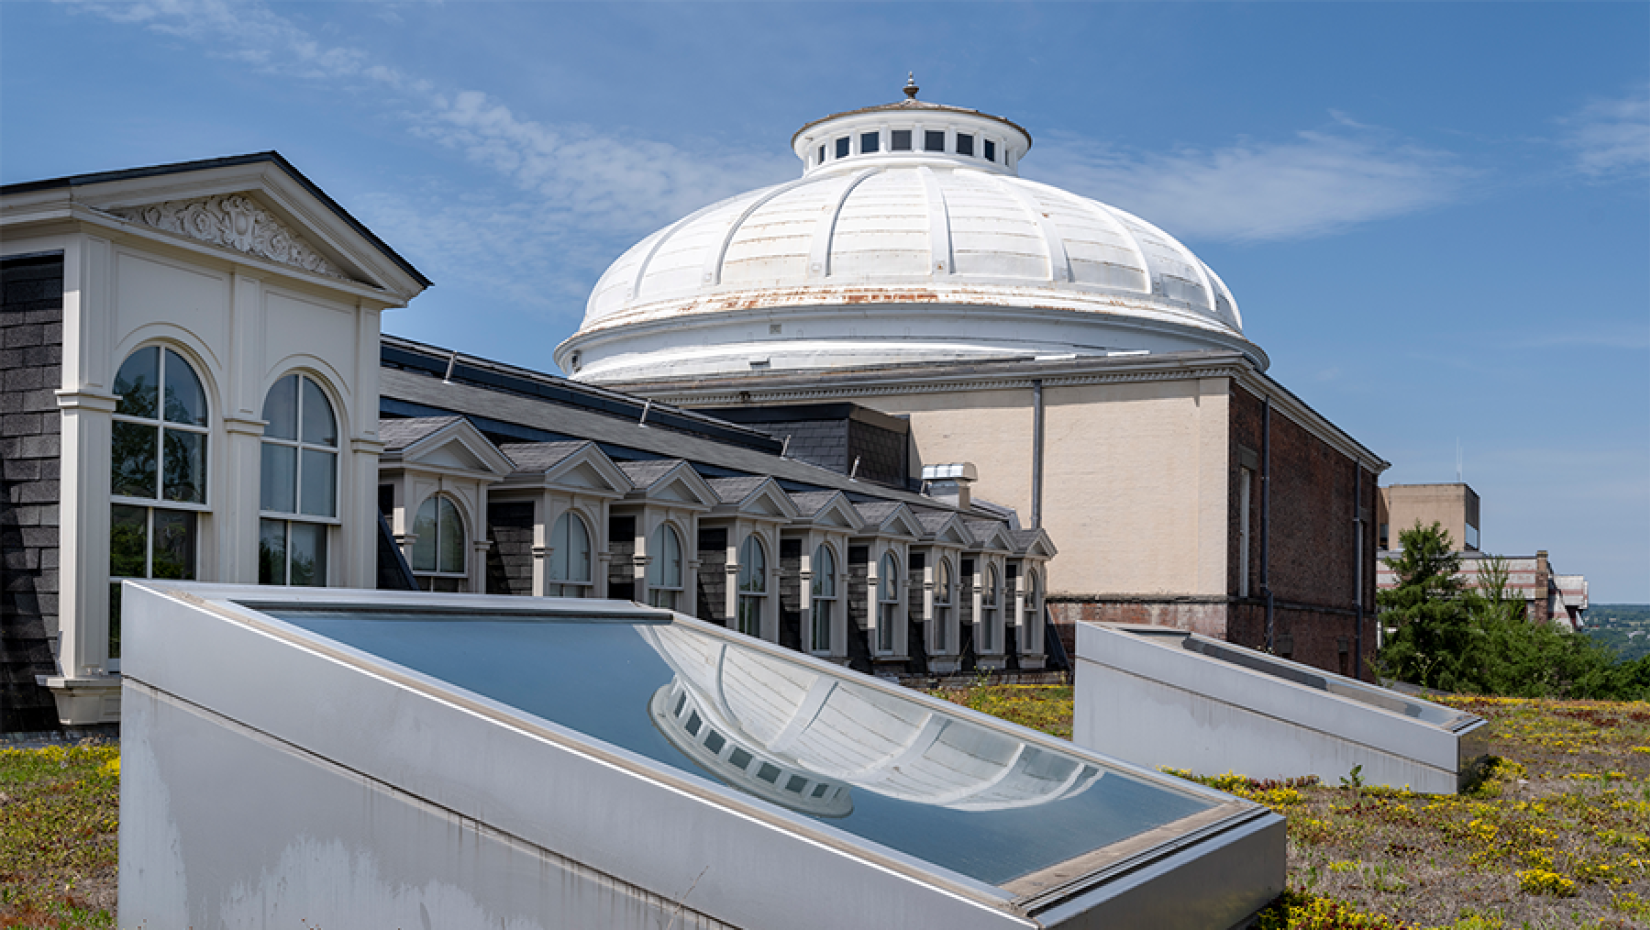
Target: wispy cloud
{"points": [[1316, 183], [1611, 138], [597, 180]]}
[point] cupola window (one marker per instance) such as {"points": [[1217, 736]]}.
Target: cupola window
{"points": [[870, 142], [990, 150], [842, 147], [899, 140], [933, 140], [965, 144], [822, 155]]}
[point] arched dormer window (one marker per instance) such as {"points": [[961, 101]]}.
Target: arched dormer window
{"points": [[824, 598], [887, 601], [664, 568], [569, 557], [753, 586], [298, 496], [157, 472], [943, 606], [438, 555]]}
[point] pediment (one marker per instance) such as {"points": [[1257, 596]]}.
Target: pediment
{"points": [[681, 485], [589, 470], [903, 522], [240, 222], [458, 446], [991, 535], [768, 499], [258, 206], [839, 512], [1039, 546], [953, 532]]}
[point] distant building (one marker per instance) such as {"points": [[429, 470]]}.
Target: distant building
{"points": [[1453, 506], [1547, 596]]}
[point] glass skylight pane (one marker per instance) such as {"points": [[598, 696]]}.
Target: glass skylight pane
{"points": [[875, 764]]}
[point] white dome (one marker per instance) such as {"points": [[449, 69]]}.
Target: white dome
{"points": [[909, 237]]}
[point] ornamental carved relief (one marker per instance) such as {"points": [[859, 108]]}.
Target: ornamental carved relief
{"points": [[235, 221]]}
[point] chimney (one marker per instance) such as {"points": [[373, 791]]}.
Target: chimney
{"points": [[950, 483]]}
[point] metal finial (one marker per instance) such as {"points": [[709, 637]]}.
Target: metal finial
{"points": [[911, 84]]}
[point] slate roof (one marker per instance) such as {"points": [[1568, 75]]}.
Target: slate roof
{"points": [[734, 490], [401, 433], [810, 503], [644, 474], [539, 457]]}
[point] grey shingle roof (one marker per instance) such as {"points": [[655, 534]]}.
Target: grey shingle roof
{"points": [[810, 503], [571, 421], [643, 474], [734, 490], [540, 456], [401, 433]]}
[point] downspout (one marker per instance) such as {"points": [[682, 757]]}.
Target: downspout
{"points": [[1266, 517], [1037, 453], [1358, 570]]}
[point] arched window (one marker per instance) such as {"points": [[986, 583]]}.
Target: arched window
{"points": [[438, 556], [753, 585], [664, 568], [824, 597], [569, 557], [887, 601], [989, 603], [157, 472], [942, 606], [299, 483], [1034, 614]]}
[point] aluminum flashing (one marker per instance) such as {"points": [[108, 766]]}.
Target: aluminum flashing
{"points": [[382, 758], [1210, 706]]}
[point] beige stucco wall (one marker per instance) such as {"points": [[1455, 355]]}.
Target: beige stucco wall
{"points": [[1452, 505], [1134, 475]]}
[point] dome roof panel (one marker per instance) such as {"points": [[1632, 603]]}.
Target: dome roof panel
{"points": [[677, 266], [881, 230], [770, 247]]}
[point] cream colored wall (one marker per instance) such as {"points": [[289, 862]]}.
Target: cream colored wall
{"points": [[1134, 475], [1446, 504]]}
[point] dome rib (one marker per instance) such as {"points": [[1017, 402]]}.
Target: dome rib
{"points": [[819, 250], [940, 259], [1105, 213], [662, 238], [714, 261], [1053, 243]]}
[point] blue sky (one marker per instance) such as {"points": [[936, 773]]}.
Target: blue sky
{"points": [[1436, 218]]}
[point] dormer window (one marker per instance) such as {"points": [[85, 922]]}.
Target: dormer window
{"points": [[990, 150], [899, 140], [965, 144], [869, 142], [842, 147], [933, 141]]}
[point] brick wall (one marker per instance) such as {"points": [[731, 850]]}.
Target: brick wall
{"points": [[1313, 544], [510, 548], [31, 357]]}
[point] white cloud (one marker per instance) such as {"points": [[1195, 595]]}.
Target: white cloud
{"points": [[597, 180], [1317, 183], [1611, 137]]}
